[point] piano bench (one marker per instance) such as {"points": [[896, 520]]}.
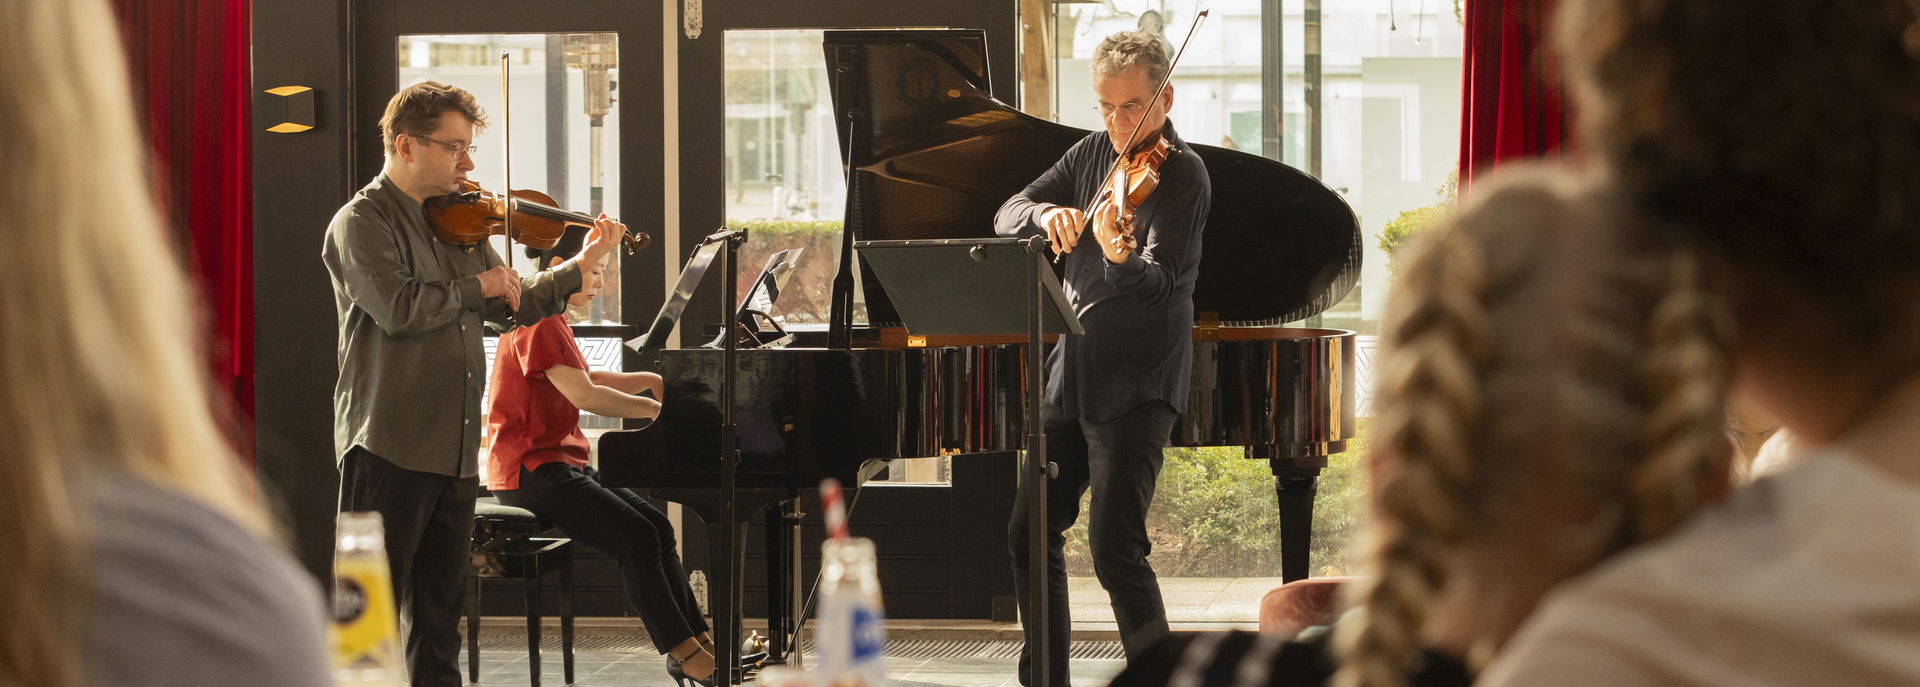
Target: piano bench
{"points": [[507, 545]]}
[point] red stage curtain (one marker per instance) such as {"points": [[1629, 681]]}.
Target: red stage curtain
{"points": [[189, 62], [1511, 105]]}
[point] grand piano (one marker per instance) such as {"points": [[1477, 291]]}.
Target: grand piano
{"points": [[931, 156]]}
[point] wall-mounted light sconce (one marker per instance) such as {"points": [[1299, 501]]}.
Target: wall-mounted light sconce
{"points": [[291, 109]]}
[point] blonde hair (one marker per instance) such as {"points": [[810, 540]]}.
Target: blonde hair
{"points": [[1552, 388], [102, 368]]}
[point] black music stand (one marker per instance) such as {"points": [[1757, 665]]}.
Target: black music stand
{"points": [[990, 286], [725, 244]]}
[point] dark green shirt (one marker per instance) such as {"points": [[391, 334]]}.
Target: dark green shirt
{"points": [[411, 352]]}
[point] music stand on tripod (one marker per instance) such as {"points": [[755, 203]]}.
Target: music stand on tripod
{"points": [[725, 245], [990, 286]]}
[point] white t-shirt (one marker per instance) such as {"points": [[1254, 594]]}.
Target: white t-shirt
{"points": [[1807, 577]]}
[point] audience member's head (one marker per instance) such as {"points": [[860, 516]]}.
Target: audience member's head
{"points": [[1778, 140], [1550, 391], [102, 365]]}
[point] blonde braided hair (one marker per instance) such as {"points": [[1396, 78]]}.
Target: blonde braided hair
{"points": [[1440, 342], [1687, 374], [1552, 384]]}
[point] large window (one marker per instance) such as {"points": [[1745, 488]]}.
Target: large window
{"points": [[785, 184], [1368, 101]]}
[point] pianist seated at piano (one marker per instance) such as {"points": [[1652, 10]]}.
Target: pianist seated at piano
{"points": [[539, 462], [1114, 393], [1551, 393]]}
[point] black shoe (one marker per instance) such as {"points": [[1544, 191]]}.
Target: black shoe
{"points": [[680, 676]]}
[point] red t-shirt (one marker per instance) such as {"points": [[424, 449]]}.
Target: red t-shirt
{"points": [[531, 422]]}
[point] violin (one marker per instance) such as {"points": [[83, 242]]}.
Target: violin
{"points": [[1131, 181], [469, 216]]}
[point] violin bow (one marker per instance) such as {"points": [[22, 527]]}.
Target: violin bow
{"points": [[506, 142], [1119, 161]]}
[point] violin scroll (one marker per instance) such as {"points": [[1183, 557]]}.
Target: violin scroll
{"points": [[636, 241]]}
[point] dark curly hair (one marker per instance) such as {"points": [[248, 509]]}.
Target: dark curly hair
{"points": [[1780, 139]]}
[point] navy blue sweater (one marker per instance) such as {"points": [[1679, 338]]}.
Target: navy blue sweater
{"points": [[1138, 314]]}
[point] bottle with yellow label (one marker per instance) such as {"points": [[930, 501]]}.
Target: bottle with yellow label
{"points": [[366, 632]]}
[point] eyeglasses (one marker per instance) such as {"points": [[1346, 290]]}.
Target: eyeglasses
{"points": [[1130, 110], [452, 148]]}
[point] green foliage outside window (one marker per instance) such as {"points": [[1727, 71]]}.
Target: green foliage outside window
{"points": [[808, 294], [1412, 222], [782, 228], [1214, 515]]}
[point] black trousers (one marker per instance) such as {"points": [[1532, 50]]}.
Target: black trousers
{"points": [[1120, 460], [626, 528], [429, 528]]}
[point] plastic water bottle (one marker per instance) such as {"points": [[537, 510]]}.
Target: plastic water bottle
{"points": [[366, 632], [852, 637]]}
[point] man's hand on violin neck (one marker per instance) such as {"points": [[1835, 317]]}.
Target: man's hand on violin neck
{"points": [[1062, 225], [501, 282]]}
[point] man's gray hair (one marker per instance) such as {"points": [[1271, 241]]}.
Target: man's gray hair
{"points": [[1126, 49]]}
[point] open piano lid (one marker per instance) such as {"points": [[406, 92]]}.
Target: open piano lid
{"points": [[934, 155]]}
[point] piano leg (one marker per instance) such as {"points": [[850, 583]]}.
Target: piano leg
{"points": [[1295, 487], [784, 597]]}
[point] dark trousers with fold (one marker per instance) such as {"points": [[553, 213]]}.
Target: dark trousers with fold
{"points": [[626, 528], [429, 527], [1119, 460]]}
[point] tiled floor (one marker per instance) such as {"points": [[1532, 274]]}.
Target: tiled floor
{"points": [[1192, 604], [509, 669], [1188, 599]]}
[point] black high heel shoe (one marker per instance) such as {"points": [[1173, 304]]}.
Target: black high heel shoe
{"points": [[679, 674]]}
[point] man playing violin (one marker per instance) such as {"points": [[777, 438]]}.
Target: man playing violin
{"points": [[406, 425], [1114, 393]]}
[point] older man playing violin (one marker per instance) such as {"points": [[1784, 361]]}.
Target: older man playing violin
{"points": [[406, 408], [1114, 393]]}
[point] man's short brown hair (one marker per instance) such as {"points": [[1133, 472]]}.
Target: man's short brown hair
{"points": [[416, 110]]}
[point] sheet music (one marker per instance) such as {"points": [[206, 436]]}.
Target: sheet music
{"points": [[670, 311]]}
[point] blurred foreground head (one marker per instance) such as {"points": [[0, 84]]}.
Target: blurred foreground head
{"points": [[102, 368], [1551, 390]]}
